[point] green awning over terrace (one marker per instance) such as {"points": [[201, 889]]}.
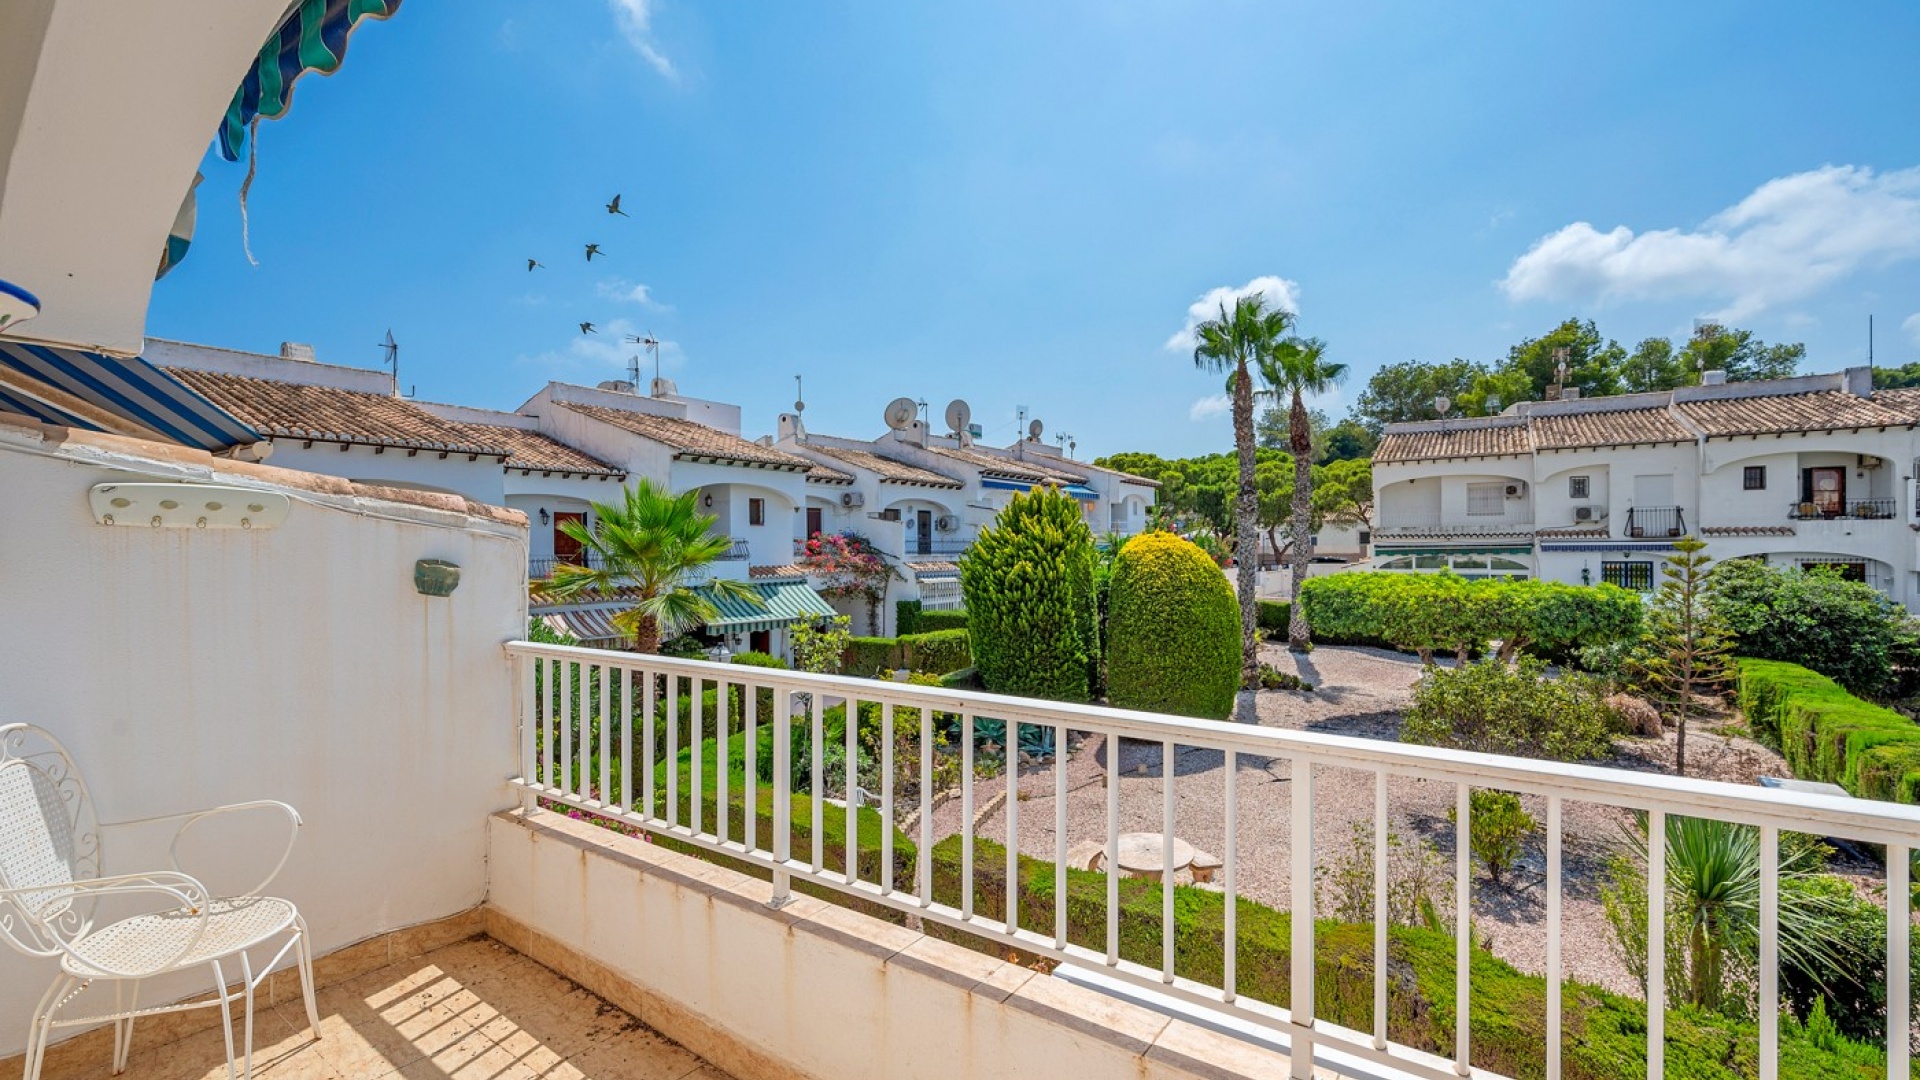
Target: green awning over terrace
{"points": [[783, 603]]}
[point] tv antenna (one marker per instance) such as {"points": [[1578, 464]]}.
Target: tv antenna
{"points": [[799, 395], [1561, 354], [647, 342], [391, 358], [1067, 442]]}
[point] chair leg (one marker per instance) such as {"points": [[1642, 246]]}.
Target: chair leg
{"points": [[246, 979], [123, 1028], [226, 1015], [304, 951], [42, 1026]]}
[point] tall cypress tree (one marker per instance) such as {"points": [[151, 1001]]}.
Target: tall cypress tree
{"points": [[1028, 584]]}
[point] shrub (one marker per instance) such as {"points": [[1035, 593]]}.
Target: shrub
{"points": [[820, 647], [1492, 707], [1828, 734], [936, 651], [1635, 716], [1272, 616], [868, 656], [1174, 630], [1028, 583], [906, 617], [1845, 630], [759, 659], [1443, 612], [966, 678], [1606, 1033], [1497, 830], [1272, 678]]}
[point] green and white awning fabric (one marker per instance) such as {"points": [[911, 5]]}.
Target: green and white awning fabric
{"points": [[1382, 549], [313, 37], [782, 603]]}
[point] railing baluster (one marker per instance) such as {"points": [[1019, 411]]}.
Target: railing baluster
{"points": [[566, 728], [583, 708], [696, 739], [1463, 930], [648, 704], [1381, 881], [1899, 961], [673, 750], [549, 692], [817, 787], [886, 798], [1770, 953], [1553, 937], [1166, 861], [524, 669], [782, 823], [851, 867], [1060, 837], [721, 690], [966, 815], [925, 853], [1111, 864], [750, 705], [626, 739], [604, 717], [1300, 1005], [1656, 945], [1012, 761], [1230, 865]]}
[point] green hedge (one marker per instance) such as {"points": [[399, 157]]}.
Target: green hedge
{"points": [[869, 656], [937, 651], [759, 659], [1273, 615], [1828, 734], [1448, 613], [911, 618], [906, 617], [1173, 634], [1605, 1034]]}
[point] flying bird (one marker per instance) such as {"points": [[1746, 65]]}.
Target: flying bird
{"points": [[592, 250], [614, 207], [533, 265], [587, 328]]}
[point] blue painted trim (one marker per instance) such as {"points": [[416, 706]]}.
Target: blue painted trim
{"points": [[20, 294]]}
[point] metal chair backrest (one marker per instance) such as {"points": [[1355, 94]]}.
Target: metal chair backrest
{"points": [[49, 839]]}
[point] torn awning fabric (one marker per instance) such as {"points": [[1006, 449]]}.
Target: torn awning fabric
{"points": [[313, 37]]}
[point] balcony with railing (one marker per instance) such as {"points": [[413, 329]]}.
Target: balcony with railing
{"points": [[1650, 522], [1842, 509], [1321, 995], [1517, 521]]}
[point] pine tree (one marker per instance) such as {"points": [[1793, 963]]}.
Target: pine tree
{"points": [[1691, 649]]}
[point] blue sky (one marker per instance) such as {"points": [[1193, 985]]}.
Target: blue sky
{"points": [[1017, 203]]}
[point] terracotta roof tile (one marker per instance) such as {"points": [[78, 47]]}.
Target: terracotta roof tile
{"points": [[1026, 471], [919, 568], [1621, 427], [323, 413], [890, 470], [787, 571], [689, 439], [1747, 530], [1821, 410], [532, 450], [1490, 437], [1905, 400], [1576, 532], [826, 474]]}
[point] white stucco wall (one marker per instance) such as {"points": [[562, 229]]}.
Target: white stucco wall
{"points": [[479, 480], [187, 668]]}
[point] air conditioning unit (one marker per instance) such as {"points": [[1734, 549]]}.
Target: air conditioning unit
{"points": [[851, 499], [889, 515], [1585, 513], [1517, 489], [946, 523]]}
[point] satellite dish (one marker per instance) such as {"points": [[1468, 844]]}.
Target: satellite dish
{"points": [[1441, 404], [901, 412], [1034, 429], [958, 416], [799, 406]]}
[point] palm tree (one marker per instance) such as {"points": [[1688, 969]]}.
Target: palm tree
{"points": [[1234, 343], [1298, 367], [654, 543]]}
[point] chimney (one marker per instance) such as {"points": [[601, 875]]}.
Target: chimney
{"points": [[294, 350], [1715, 377], [1860, 381], [1569, 393], [792, 428]]}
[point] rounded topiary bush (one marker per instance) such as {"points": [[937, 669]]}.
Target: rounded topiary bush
{"points": [[1173, 631]]}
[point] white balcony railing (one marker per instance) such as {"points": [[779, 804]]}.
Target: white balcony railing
{"points": [[572, 763], [1517, 521]]}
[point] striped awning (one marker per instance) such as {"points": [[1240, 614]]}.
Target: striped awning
{"points": [[313, 37], [782, 603], [92, 392], [588, 626]]}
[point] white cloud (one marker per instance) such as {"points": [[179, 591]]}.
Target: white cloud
{"points": [[1209, 407], [628, 293], [1912, 327], [1279, 292], [635, 19], [1789, 239], [604, 354]]}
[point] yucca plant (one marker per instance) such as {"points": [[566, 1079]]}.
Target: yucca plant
{"points": [[656, 544], [1713, 910]]}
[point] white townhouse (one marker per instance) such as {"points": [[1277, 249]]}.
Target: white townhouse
{"points": [[1810, 471], [339, 421]]}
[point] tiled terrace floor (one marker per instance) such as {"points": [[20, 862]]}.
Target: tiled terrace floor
{"points": [[475, 1010]]}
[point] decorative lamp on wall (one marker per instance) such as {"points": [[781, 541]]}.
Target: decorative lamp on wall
{"points": [[707, 500], [544, 519]]}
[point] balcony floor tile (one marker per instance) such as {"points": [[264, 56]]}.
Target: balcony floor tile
{"points": [[474, 1010]]}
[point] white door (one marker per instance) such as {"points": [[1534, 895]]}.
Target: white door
{"points": [[1650, 491]]}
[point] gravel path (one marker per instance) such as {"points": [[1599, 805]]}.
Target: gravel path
{"points": [[1362, 693]]}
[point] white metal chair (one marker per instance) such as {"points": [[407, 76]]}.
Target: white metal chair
{"points": [[56, 903]]}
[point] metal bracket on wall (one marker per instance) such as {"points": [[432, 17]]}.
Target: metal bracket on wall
{"points": [[187, 506]]}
